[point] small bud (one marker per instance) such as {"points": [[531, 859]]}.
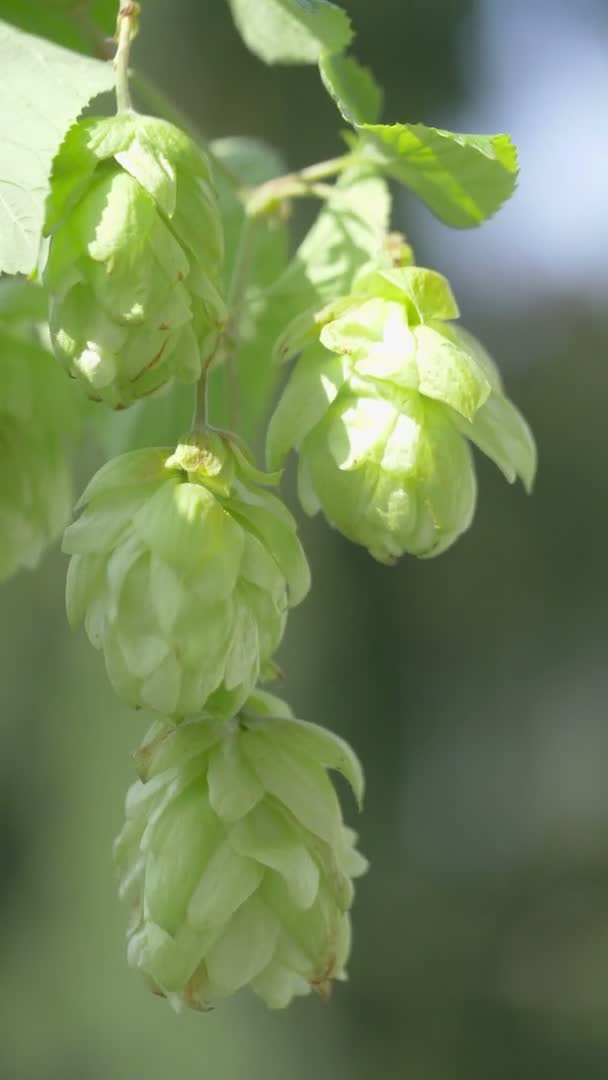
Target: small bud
{"points": [[183, 568], [380, 408], [235, 859], [135, 260]]}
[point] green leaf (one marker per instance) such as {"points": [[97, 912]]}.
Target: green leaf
{"points": [[353, 88], [297, 782], [45, 88], [83, 147], [463, 179], [165, 748], [500, 431], [268, 838], [448, 373], [426, 293], [310, 390], [320, 745], [291, 31]]}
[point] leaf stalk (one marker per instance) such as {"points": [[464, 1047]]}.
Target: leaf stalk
{"points": [[126, 29], [304, 182]]}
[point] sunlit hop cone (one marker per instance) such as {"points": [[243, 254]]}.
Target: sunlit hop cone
{"points": [[235, 859], [135, 261], [380, 408], [183, 569], [38, 415]]}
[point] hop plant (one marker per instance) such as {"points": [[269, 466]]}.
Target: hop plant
{"points": [[234, 856], [135, 260], [183, 568], [38, 414], [235, 859], [380, 408]]}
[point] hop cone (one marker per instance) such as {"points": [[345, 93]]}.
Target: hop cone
{"points": [[135, 260], [235, 859], [381, 409], [183, 569], [37, 416]]}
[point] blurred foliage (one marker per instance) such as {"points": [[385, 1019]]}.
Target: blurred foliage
{"points": [[473, 687], [76, 24]]}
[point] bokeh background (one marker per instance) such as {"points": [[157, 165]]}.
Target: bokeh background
{"points": [[473, 687]]}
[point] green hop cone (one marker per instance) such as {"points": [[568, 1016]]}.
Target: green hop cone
{"points": [[381, 407], [235, 859], [38, 415], [135, 261], [183, 568]]}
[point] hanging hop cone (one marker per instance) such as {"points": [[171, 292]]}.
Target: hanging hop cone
{"points": [[135, 261], [235, 860], [183, 568], [381, 407], [38, 416]]}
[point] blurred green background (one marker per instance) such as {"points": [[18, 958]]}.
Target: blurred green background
{"points": [[473, 687]]}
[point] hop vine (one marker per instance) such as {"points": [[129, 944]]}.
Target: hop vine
{"points": [[157, 276]]}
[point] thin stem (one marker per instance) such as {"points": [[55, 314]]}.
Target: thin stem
{"points": [[322, 169], [126, 28], [264, 198], [199, 420], [226, 351]]}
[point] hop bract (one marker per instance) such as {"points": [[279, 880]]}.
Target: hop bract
{"points": [[38, 415], [135, 261], [235, 859], [380, 408], [183, 569]]}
